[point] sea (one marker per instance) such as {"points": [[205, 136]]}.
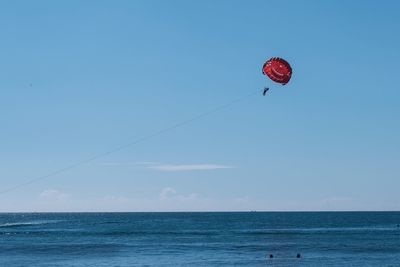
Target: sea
{"points": [[200, 239]]}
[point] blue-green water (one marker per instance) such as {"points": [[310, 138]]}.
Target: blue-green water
{"points": [[200, 239]]}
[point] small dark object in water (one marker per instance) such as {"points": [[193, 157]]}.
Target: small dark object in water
{"points": [[298, 255], [271, 256], [398, 225]]}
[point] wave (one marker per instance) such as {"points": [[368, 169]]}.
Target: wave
{"points": [[160, 233], [22, 224], [314, 230]]}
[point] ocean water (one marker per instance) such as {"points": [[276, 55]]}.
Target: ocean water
{"points": [[200, 239]]}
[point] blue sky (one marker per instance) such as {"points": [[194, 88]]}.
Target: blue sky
{"points": [[78, 78]]}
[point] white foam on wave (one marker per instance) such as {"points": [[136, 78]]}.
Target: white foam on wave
{"points": [[21, 224]]}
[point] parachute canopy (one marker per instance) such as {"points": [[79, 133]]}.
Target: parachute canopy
{"points": [[278, 70]]}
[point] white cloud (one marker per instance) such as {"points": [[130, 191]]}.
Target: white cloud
{"points": [[167, 167], [53, 194], [126, 163], [187, 167], [167, 192]]}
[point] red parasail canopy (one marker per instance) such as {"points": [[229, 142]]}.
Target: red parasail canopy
{"points": [[278, 70]]}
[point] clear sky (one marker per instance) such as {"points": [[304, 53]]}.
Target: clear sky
{"points": [[78, 78]]}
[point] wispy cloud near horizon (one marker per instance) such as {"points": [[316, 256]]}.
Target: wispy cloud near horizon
{"points": [[169, 167], [53, 195], [127, 163], [188, 167]]}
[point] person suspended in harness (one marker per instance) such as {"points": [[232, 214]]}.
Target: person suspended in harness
{"points": [[265, 90]]}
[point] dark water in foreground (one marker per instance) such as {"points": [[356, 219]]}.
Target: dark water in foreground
{"points": [[200, 239]]}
